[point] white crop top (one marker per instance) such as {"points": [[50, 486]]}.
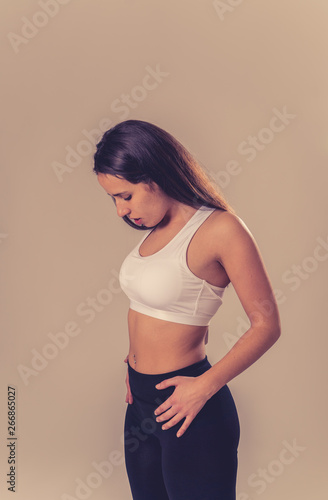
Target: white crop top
{"points": [[161, 285]]}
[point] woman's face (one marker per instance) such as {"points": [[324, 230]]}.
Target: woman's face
{"points": [[144, 204]]}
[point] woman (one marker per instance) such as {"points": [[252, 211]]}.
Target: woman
{"points": [[181, 425]]}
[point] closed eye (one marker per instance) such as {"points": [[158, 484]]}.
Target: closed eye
{"points": [[128, 198]]}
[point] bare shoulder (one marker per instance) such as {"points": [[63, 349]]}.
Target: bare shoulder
{"points": [[229, 235], [234, 247], [226, 224]]}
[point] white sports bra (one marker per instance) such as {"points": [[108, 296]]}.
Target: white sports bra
{"points": [[161, 285]]}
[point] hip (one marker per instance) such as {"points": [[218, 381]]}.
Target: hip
{"points": [[143, 385], [219, 412]]}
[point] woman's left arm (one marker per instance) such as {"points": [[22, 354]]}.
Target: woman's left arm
{"points": [[239, 255], [233, 245]]}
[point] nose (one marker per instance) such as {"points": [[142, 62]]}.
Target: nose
{"points": [[122, 210]]}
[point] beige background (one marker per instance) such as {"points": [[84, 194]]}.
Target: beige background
{"points": [[227, 67]]}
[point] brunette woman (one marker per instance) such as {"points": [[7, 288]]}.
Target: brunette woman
{"points": [[181, 426]]}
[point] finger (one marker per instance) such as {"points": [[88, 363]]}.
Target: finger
{"points": [[163, 407], [168, 383], [129, 397], [165, 416], [184, 426], [175, 420]]}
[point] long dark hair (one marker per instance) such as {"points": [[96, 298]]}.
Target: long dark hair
{"points": [[139, 151]]}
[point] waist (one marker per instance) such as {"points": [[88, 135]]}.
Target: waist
{"points": [[192, 370], [143, 388], [158, 346]]}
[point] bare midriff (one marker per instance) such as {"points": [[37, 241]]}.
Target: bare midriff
{"points": [[158, 346]]}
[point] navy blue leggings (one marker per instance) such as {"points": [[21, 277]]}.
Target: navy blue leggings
{"points": [[201, 464]]}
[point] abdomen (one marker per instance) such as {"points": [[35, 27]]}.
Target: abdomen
{"points": [[158, 346]]}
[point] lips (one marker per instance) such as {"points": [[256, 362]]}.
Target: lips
{"points": [[137, 221]]}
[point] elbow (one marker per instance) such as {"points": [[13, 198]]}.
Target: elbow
{"points": [[276, 333], [273, 333], [274, 327], [278, 328]]}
